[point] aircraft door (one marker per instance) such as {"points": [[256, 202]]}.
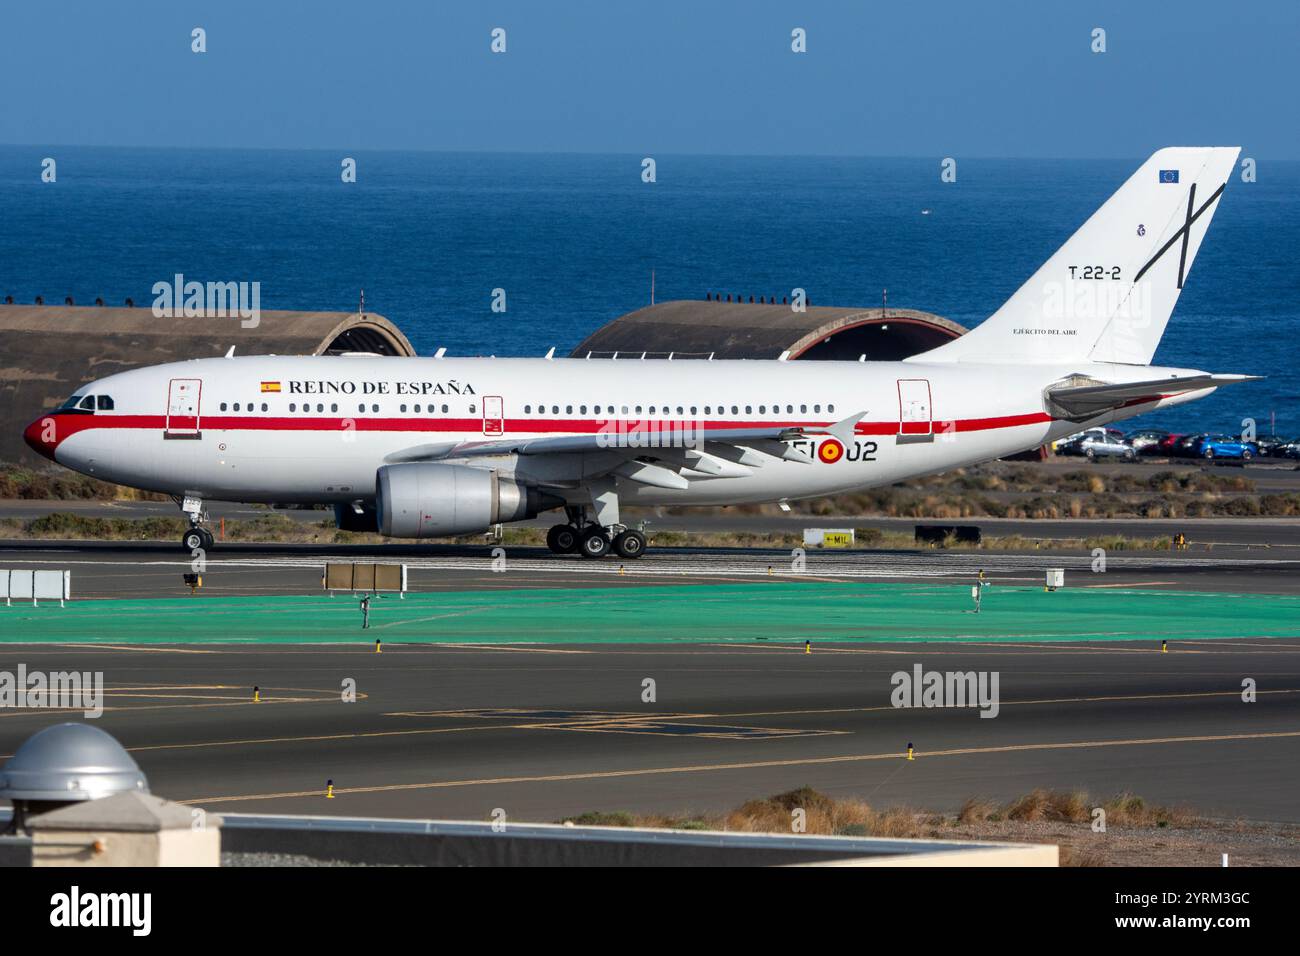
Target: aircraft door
{"points": [[183, 396], [494, 421], [915, 421]]}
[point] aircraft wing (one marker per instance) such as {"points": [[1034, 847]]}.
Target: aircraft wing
{"points": [[715, 453], [1085, 401]]}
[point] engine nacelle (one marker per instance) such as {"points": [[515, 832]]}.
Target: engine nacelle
{"points": [[431, 500]]}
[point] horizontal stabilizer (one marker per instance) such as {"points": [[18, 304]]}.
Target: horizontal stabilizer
{"points": [[1079, 402]]}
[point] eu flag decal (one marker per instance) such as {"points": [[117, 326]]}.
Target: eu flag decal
{"points": [[1169, 175]]}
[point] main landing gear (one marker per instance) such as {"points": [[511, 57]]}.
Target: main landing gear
{"points": [[592, 540], [197, 538]]}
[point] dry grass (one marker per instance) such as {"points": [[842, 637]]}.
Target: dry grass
{"points": [[1064, 817], [273, 528]]}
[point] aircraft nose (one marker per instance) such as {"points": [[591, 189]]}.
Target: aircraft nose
{"points": [[42, 436]]}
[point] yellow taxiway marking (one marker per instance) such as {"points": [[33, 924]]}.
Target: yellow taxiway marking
{"points": [[747, 765], [320, 737], [523, 648], [1013, 703], [579, 722], [140, 647], [1133, 584], [959, 647]]}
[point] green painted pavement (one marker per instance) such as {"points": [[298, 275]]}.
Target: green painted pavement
{"points": [[774, 611]]}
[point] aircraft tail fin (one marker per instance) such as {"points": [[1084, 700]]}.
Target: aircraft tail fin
{"points": [[1106, 295]]}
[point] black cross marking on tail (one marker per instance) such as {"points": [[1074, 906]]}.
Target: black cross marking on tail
{"points": [[1184, 233]]}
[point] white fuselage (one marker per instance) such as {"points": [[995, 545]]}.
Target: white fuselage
{"points": [[316, 429]]}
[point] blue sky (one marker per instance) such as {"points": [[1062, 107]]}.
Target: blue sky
{"points": [[942, 78]]}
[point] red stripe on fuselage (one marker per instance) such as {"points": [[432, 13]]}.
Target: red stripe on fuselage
{"points": [[68, 425]]}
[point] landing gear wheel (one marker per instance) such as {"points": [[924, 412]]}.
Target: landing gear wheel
{"points": [[594, 543], [630, 544], [562, 539], [196, 539]]}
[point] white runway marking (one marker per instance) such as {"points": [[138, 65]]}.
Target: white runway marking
{"points": [[852, 565]]}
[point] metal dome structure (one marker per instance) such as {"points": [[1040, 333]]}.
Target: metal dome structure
{"points": [[68, 763]]}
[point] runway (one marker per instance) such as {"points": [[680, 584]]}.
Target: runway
{"points": [[153, 570], [547, 732]]}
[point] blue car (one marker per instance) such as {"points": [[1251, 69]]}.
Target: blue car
{"points": [[1226, 446]]}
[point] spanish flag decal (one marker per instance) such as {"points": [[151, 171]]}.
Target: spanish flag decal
{"points": [[270, 386]]}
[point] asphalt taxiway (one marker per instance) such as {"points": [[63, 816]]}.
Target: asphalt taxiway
{"points": [[545, 732]]}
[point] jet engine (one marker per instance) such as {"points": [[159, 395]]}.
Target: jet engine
{"points": [[431, 500]]}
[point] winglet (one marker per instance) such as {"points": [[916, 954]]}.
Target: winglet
{"points": [[846, 428]]}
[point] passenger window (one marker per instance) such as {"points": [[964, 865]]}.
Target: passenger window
{"points": [[236, 406], [817, 408], [528, 409], [293, 406], [335, 408], [320, 406], [264, 407], [582, 409], [568, 409], [830, 408], [735, 410], [803, 409], [471, 409], [361, 408], [223, 406], [402, 409], [417, 409], [374, 408]]}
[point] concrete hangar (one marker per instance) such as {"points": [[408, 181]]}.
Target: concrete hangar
{"points": [[49, 351]]}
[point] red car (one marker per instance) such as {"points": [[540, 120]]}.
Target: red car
{"points": [[1167, 445]]}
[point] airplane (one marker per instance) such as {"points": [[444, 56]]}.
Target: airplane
{"points": [[429, 447]]}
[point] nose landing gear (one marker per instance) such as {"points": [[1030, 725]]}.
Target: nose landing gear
{"points": [[197, 538]]}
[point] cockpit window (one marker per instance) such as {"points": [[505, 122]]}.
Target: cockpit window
{"points": [[104, 403], [88, 403], [72, 402]]}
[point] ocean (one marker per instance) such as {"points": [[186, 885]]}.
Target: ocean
{"points": [[573, 239]]}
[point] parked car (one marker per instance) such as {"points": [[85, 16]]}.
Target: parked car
{"points": [[1166, 445], [1290, 450], [1269, 445], [1093, 447], [1188, 446], [1226, 446], [1145, 441]]}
